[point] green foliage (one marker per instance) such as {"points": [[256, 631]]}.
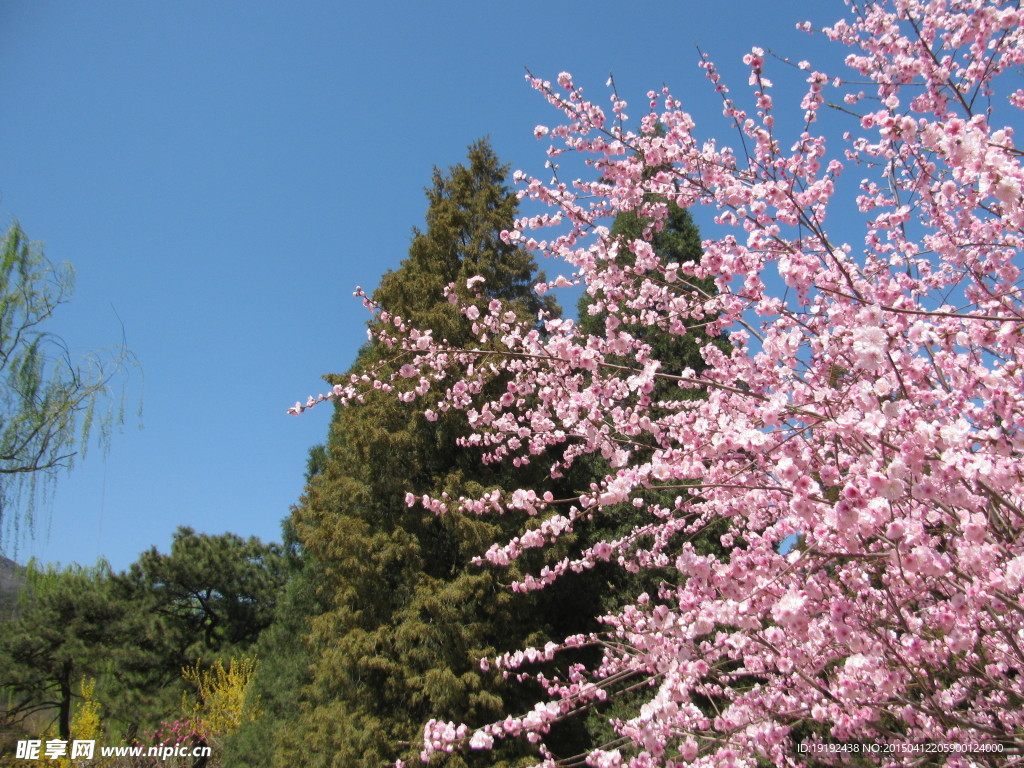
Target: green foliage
{"points": [[69, 626], [49, 403], [133, 633], [217, 593], [209, 598], [287, 657]]}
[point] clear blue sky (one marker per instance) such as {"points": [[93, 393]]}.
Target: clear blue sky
{"points": [[223, 174]]}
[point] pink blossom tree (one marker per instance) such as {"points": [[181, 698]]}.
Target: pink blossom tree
{"points": [[870, 403]]}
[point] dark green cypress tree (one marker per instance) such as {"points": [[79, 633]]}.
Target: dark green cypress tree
{"points": [[674, 239], [407, 616], [606, 588]]}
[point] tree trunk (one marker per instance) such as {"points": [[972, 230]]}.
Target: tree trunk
{"points": [[64, 718]]}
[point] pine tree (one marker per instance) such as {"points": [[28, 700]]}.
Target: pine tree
{"points": [[216, 592], [207, 600], [408, 617], [69, 626]]}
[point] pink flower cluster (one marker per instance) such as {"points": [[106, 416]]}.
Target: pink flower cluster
{"points": [[872, 403], [171, 732]]}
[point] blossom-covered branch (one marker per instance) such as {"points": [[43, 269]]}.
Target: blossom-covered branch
{"points": [[870, 402]]}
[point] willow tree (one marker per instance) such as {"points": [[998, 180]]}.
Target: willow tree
{"points": [[50, 401]]}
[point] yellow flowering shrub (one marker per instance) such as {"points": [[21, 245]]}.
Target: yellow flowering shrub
{"points": [[217, 708]]}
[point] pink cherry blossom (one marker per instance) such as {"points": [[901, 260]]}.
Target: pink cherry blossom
{"points": [[868, 278]]}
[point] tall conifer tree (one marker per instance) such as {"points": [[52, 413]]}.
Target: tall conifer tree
{"points": [[675, 238], [407, 616]]}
